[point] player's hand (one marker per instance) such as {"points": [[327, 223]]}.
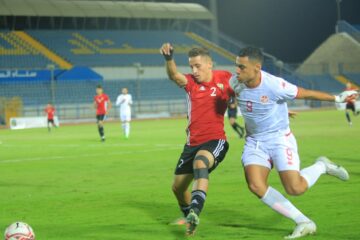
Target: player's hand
{"points": [[292, 114], [167, 51], [346, 96]]}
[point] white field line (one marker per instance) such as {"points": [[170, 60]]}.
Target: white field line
{"points": [[77, 145], [17, 160]]}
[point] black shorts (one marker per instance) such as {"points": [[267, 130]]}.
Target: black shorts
{"points": [[51, 121], [100, 117], [232, 112], [350, 106], [218, 148]]}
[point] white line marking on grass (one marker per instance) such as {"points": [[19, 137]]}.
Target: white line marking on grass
{"points": [[76, 145], [17, 160]]}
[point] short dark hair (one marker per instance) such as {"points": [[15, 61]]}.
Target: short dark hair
{"points": [[99, 86], [253, 53], [198, 51]]}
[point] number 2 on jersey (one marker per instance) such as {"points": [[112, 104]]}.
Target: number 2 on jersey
{"points": [[213, 89], [249, 106]]}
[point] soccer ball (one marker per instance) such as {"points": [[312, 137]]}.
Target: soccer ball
{"points": [[19, 231]]}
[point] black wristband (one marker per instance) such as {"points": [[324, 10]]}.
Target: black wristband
{"points": [[169, 57]]}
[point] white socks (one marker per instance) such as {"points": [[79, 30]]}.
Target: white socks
{"points": [[126, 128], [311, 174], [280, 204]]}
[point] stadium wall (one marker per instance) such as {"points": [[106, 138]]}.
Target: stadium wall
{"points": [[143, 72], [331, 56]]}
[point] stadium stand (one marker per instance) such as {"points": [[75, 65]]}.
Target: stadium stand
{"points": [[77, 92], [16, 53], [354, 77], [324, 82], [117, 48]]}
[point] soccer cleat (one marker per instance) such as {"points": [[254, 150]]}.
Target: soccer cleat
{"points": [[103, 139], [179, 222], [333, 169], [302, 229], [192, 221]]}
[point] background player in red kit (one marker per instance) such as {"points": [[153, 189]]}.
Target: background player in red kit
{"points": [[102, 105], [208, 93], [50, 111]]}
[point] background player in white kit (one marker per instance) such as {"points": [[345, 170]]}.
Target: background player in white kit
{"points": [[124, 100], [269, 141]]}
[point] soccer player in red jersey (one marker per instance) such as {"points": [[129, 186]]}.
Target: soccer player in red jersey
{"points": [[50, 111], [102, 104], [350, 104], [208, 93]]}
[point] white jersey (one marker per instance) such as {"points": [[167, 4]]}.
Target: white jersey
{"points": [[124, 101], [264, 108]]}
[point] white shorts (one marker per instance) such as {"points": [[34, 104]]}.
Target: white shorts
{"points": [[125, 117], [280, 151]]}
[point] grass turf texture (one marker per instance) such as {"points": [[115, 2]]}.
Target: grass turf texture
{"points": [[69, 185]]}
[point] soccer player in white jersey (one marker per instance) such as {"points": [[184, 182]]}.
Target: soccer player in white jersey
{"points": [[124, 100], [269, 142]]}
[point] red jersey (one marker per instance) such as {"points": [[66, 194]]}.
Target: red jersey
{"points": [[50, 112], [101, 102], [207, 103]]}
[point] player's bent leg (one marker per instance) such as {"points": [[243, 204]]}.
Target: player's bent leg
{"points": [[293, 182], [101, 130], [256, 178], [180, 189], [203, 161], [348, 117]]}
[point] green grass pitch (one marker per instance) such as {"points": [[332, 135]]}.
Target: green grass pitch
{"points": [[68, 185]]}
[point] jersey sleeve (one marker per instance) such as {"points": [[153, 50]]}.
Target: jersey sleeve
{"points": [[190, 82], [228, 77], [285, 90]]}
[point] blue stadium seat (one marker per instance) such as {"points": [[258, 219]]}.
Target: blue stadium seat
{"points": [[15, 54], [117, 48], [355, 78], [324, 83]]}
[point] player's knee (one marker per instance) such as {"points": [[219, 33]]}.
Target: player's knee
{"points": [[257, 188], [201, 161], [176, 189], [295, 190]]}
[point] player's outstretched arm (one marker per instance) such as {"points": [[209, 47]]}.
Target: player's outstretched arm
{"points": [[322, 96], [167, 51]]}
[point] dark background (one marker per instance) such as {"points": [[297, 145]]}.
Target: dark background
{"points": [[288, 29]]}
